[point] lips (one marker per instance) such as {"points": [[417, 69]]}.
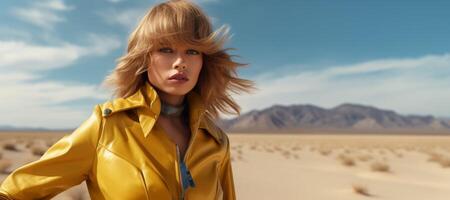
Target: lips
{"points": [[179, 76]]}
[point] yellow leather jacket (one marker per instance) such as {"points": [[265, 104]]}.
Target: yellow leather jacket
{"points": [[122, 154]]}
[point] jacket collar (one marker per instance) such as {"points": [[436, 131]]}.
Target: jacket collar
{"points": [[148, 105]]}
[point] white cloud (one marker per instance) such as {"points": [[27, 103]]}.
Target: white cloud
{"points": [[100, 44], [24, 56], [30, 100], [127, 18], [10, 33], [44, 14], [44, 19], [29, 57], [38, 103], [58, 5], [409, 86]]}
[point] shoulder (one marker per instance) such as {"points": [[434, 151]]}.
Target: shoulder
{"points": [[215, 131], [116, 105], [88, 131]]}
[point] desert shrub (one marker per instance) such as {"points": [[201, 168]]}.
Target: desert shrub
{"points": [[10, 146], [380, 167], [359, 189], [38, 150], [346, 160]]}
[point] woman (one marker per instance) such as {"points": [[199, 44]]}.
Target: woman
{"points": [[157, 139]]}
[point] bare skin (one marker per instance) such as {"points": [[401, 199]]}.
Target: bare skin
{"points": [[165, 62], [177, 130]]}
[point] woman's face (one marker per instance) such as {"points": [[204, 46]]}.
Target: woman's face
{"points": [[168, 61]]}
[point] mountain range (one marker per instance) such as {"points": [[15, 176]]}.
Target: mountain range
{"points": [[343, 118]]}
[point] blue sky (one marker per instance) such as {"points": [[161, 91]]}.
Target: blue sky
{"points": [[389, 54]]}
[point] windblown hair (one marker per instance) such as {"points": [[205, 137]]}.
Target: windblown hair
{"points": [[182, 22]]}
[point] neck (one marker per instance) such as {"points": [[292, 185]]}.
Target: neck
{"points": [[171, 105], [172, 111], [172, 100]]}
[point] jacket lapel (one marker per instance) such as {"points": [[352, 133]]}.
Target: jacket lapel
{"points": [[148, 107]]}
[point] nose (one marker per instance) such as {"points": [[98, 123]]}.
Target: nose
{"points": [[180, 62]]}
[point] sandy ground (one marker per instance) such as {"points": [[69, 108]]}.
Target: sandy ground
{"points": [[306, 166], [341, 167]]}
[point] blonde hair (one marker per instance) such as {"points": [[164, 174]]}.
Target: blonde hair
{"points": [[175, 22]]}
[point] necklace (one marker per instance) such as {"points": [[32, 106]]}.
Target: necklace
{"points": [[172, 111]]}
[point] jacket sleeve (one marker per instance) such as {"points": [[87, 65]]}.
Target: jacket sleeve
{"points": [[226, 179], [65, 164]]}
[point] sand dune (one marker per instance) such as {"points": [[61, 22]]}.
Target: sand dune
{"points": [[314, 166]]}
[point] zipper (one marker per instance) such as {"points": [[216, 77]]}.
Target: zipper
{"points": [[190, 179], [180, 178]]}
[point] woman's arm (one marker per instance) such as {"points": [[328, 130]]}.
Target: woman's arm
{"points": [[227, 175], [65, 164]]}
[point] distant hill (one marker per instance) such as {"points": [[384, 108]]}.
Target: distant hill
{"points": [[345, 117], [5, 128], [446, 119]]}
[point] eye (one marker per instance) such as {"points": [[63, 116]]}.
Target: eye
{"points": [[192, 52], [166, 50]]}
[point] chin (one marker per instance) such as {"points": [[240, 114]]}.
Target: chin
{"points": [[177, 91]]}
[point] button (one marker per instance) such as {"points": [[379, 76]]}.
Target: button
{"points": [[107, 112]]}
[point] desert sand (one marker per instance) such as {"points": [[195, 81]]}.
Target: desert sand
{"points": [[303, 166], [341, 167]]}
